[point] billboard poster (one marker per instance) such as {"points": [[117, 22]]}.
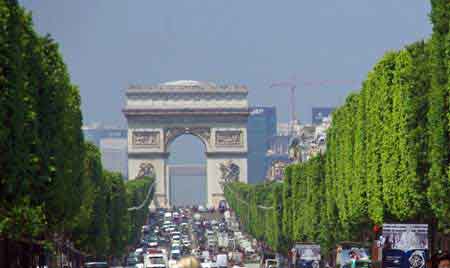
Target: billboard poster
{"points": [[308, 251], [404, 245]]}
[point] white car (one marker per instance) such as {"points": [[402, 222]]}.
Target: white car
{"points": [[197, 217], [222, 260], [208, 264], [249, 250], [155, 261], [202, 209]]}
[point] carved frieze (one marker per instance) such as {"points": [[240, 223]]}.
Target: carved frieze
{"points": [[146, 138], [202, 132], [229, 138]]}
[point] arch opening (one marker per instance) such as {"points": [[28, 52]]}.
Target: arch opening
{"points": [[187, 170]]}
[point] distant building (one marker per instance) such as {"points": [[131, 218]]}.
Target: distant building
{"points": [[318, 113], [289, 129], [278, 157], [296, 143], [95, 132], [279, 145], [261, 127], [283, 129], [114, 155]]}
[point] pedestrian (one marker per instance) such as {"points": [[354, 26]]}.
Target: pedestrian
{"points": [[444, 261], [188, 262]]}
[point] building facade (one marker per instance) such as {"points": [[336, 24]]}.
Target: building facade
{"points": [[261, 127], [319, 113], [95, 132], [111, 141], [114, 155]]}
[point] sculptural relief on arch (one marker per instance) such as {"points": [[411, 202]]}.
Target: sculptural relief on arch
{"points": [[217, 115]]}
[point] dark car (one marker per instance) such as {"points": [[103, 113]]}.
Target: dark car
{"points": [[222, 206], [131, 262]]}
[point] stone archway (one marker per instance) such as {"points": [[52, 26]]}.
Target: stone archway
{"points": [[157, 115]]}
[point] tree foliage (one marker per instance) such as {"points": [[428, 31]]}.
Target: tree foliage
{"points": [[51, 182]]}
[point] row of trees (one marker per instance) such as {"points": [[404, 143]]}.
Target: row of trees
{"points": [[52, 184], [104, 226], [387, 156]]}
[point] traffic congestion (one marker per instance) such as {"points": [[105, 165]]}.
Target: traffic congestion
{"points": [[212, 236]]}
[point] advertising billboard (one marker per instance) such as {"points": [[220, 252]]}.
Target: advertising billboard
{"points": [[404, 245], [307, 256]]}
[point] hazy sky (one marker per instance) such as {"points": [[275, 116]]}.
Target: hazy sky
{"points": [[109, 44]]}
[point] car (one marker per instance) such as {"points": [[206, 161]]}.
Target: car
{"points": [[222, 206], [222, 260], [155, 260], [131, 261], [175, 247], [145, 229], [271, 263], [208, 264], [96, 264], [175, 254], [249, 250], [357, 264], [202, 208]]}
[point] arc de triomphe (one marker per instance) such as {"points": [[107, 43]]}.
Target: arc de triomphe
{"points": [[217, 115]]}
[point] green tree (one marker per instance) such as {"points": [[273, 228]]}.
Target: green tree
{"points": [[118, 216], [438, 123]]}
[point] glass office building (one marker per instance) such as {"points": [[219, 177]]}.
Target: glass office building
{"points": [[261, 127]]}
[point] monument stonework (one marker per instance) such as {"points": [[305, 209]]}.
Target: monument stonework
{"points": [[217, 115]]}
